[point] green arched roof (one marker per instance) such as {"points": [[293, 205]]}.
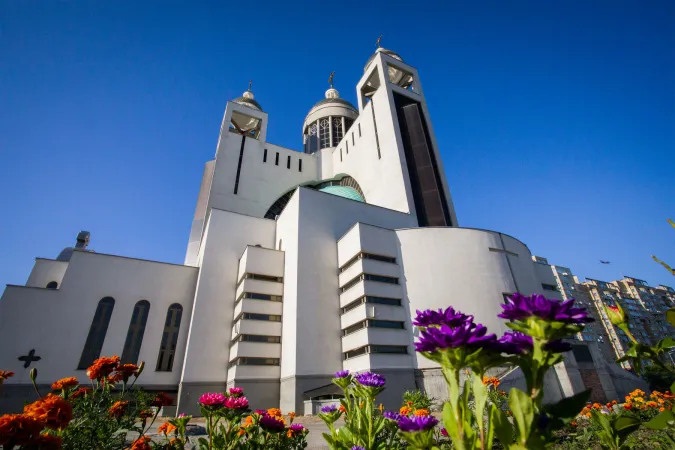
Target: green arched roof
{"points": [[343, 191]]}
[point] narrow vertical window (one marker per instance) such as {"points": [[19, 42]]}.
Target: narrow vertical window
{"points": [[347, 147], [132, 345], [276, 159], [265, 155], [300, 165], [167, 349], [288, 162], [359, 130], [340, 155], [97, 331], [353, 143]]}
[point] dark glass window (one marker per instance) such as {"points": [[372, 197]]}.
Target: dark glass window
{"points": [[256, 296], [254, 316], [352, 328], [288, 162], [257, 276], [257, 338], [356, 352], [265, 155], [347, 147], [370, 299], [299, 165], [364, 255], [132, 345], [324, 133], [385, 324], [254, 362], [52, 285], [381, 278], [388, 349], [97, 332], [276, 159], [167, 348], [359, 130]]}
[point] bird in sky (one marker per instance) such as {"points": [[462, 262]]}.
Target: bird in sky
{"points": [[605, 262]]}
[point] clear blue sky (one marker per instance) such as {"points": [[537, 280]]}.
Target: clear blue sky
{"points": [[555, 120]]}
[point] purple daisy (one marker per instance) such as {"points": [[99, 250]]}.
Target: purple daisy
{"points": [[370, 379], [341, 374], [357, 447], [469, 334], [296, 427], [329, 409], [271, 423], [519, 307], [392, 415], [516, 343], [417, 423], [448, 317]]}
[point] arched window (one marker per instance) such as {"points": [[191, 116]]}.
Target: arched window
{"points": [[167, 349], [99, 327], [132, 346], [52, 285]]}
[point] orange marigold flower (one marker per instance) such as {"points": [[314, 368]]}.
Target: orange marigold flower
{"points": [[142, 443], [45, 442], [342, 408], [114, 378], [573, 423], [125, 371], [64, 383], [241, 432], [248, 421], [661, 409], [53, 411], [421, 412], [18, 429], [162, 399], [166, 428], [80, 392], [627, 406], [4, 375], [146, 414], [405, 410], [502, 393], [652, 404], [614, 402], [409, 403], [103, 367], [597, 406], [291, 415], [491, 381], [118, 408], [274, 412]]}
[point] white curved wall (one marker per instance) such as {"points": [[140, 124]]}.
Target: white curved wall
{"points": [[455, 267]]}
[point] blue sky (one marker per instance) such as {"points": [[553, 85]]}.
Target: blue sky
{"points": [[555, 120]]}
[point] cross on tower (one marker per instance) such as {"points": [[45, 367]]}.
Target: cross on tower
{"points": [[29, 358]]}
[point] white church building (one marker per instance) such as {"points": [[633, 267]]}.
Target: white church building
{"points": [[298, 264]]}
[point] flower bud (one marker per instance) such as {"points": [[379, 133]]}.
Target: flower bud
{"points": [[141, 366], [33, 374], [616, 314]]}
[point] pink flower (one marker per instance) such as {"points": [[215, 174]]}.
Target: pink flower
{"points": [[236, 392], [236, 402], [212, 399]]}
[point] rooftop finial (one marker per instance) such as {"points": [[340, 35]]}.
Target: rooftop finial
{"points": [[377, 44], [250, 82], [330, 79]]}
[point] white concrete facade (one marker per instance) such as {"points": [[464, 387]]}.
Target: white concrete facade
{"points": [[297, 264]]}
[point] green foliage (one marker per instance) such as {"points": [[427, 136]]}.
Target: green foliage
{"points": [[659, 378], [418, 399]]}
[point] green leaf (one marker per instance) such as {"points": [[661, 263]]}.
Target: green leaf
{"points": [[568, 408], [672, 388], [502, 427], [449, 420], [480, 395], [666, 343], [664, 420], [670, 316], [523, 412], [625, 425]]}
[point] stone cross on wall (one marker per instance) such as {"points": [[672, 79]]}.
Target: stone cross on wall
{"points": [[29, 358]]}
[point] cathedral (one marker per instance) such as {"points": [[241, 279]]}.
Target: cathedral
{"points": [[298, 264]]}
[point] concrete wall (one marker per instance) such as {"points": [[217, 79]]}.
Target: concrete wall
{"points": [[45, 271], [56, 322], [226, 237]]}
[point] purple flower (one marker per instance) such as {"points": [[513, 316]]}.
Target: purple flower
{"points": [[357, 447], [518, 343], [417, 423], [329, 409], [448, 317], [262, 412], [212, 399], [296, 427], [392, 415], [520, 307], [271, 423], [370, 379], [236, 403], [341, 374], [236, 392], [469, 334]]}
